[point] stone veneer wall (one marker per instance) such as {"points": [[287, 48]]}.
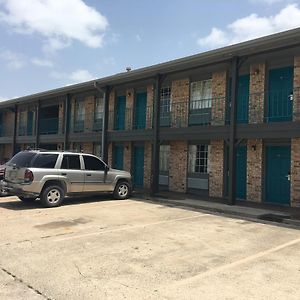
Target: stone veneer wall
{"points": [[180, 95], [295, 172], [129, 109], [219, 88], [111, 108], [150, 100], [216, 166], [178, 166], [254, 170], [296, 99], [256, 90], [147, 164]]}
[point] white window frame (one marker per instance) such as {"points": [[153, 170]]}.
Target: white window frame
{"points": [[198, 159], [201, 94]]}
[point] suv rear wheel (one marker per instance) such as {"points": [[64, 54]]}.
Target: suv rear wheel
{"points": [[122, 190], [52, 196]]}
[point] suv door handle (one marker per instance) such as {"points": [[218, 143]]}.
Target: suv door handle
{"points": [[63, 174], [88, 174]]}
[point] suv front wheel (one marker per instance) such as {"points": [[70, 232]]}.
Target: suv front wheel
{"points": [[52, 196], [122, 190]]}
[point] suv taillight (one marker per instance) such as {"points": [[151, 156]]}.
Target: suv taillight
{"points": [[28, 176]]}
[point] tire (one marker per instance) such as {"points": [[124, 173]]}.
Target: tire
{"points": [[122, 190], [27, 199], [52, 196]]}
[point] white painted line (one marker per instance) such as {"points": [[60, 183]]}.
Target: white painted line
{"points": [[226, 267], [130, 227]]}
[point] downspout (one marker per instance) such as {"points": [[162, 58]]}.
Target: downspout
{"points": [[104, 143]]}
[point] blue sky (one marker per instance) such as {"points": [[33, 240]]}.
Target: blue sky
{"points": [[47, 44]]}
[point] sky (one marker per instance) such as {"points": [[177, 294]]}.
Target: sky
{"points": [[47, 44]]}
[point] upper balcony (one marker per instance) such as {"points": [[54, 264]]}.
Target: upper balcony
{"points": [[86, 122], [264, 107]]}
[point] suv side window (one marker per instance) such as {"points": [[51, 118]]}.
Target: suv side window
{"points": [[93, 163], [46, 161], [70, 162]]}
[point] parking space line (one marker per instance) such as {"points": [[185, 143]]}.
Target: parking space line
{"points": [[228, 266], [130, 227]]}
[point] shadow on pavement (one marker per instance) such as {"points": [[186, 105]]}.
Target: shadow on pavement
{"points": [[13, 203]]}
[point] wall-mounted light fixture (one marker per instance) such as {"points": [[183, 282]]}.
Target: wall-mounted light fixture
{"points": [[253, 147], [256, 71]]}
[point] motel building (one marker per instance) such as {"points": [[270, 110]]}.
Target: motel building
{"points": [[221, 124]]}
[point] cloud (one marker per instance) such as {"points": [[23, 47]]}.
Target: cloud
{"points": [[81, 76], [14, 61], [251, 27], [270, 2], [59, 22], [77, 76], [138, 38], [42, 62]]}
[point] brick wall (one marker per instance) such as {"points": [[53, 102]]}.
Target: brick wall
{"points": [[61, 117], [150, 99], [296, 101], [88, 148], [8, 122], [129, 109], [147, 164], [89, 107], [111, 108], [178, 166], [127, 156], [216, 168], [256, 89], [295, 172], [254, 170], [218, 106], [180, 94], [5, 152], [109, 154]]}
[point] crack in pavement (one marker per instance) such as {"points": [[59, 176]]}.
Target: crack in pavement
{"points": [[20, 280]]}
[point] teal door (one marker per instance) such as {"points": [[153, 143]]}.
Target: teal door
{"points": [[120, 113], [118, 156], [138, 166], [1, 124], [30, 123], [140, 108], [242, 100], [280, 94], [278, 164], [241, 172]]}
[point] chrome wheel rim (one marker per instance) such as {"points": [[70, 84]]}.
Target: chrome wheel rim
{"points": [[123, 190], [53, 196]]}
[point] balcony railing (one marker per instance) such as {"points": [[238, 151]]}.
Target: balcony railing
{"points": [[85, 123], [25, 129], [49, 126], [128, 119], [6, 130]]}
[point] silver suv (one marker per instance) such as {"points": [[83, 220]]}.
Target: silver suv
{"points": [[51, 175]]}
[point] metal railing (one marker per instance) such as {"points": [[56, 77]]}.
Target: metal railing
{"points": [[49, 126], [129, 119], [25, 129], [88, 122], [6, 130]]}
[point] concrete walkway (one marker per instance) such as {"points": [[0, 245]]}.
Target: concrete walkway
{"points": [[285, 215]]}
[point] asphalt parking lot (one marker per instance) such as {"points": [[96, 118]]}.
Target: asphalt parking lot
{"points": [[101, 248]]}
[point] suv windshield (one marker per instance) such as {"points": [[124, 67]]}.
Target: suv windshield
{"points": [[22, 159]]}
